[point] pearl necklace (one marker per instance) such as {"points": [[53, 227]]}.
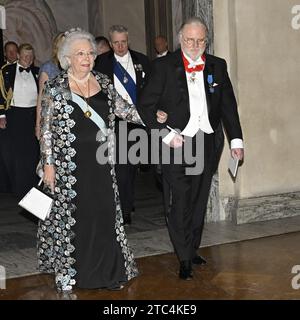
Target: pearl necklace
{"points": [[82, 81]]}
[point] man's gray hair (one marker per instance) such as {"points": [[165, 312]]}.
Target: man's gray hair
{"points": [[71, 36], [117, 28], [193, 20]]}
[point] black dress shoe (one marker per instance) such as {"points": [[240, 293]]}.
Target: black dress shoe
{"points": [[185, 271], [198, 260]]}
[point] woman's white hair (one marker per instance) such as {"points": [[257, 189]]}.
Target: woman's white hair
{"points": [[71, 36]]}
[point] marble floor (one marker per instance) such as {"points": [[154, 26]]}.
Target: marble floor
{"points": [[147, 235], [258, 269]]}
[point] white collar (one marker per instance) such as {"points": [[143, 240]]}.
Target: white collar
{"points": [[162, 54], [18, 65], [124, 58]]}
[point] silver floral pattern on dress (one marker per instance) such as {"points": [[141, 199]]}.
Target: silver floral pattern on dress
{"points": [[55, 235]]}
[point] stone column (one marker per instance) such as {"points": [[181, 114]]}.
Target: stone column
{"points": [[95, 17], [177, 21], [204, 10]]}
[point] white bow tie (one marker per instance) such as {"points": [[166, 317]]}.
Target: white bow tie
{"points": [[194, 64]]}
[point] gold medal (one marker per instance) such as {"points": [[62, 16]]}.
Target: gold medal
{"points": [[87, 114]]}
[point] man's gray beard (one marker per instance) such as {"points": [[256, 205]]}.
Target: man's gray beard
{"points": [[198, 56]]}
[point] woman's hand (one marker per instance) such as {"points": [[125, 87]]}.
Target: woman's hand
{"points": [[49, 176], [161, 116]]}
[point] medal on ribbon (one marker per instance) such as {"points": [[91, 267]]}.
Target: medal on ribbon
{"points": [[210, 81]]}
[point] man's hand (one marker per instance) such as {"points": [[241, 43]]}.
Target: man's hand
{"points": [[3, 123], [177, 141], [161, 116], [237, 153]]}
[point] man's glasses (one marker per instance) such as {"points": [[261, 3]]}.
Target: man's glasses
{"points": [[118, 43], [194, 42]]}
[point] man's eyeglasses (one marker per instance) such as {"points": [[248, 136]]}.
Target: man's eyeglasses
{"points": [[82, 54], [122, 42], [194, 42]]}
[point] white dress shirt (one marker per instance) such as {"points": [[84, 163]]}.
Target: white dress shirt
{"points": [[198, 107], [127, 64], [25, 89], [159, 55]]}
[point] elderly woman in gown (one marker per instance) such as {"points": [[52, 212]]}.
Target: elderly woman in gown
{"points": [[83, 242]]}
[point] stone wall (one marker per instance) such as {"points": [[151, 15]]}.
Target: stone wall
{"points": [[129, 13], [262, 51]]}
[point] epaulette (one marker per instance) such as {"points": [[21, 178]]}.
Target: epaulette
{"points": [[7, 64]]}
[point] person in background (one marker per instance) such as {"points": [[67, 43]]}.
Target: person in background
{"points": [[48, 71], [18, 100], [161, 46], [11, 56], [128, 70], [10, 52], [102, 45]]}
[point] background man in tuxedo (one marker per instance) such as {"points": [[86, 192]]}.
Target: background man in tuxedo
{"points": [[102, 45], [161, 46], [18, 145], [194, 90], [128, 70]]}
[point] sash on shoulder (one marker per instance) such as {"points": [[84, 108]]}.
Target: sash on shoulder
{"points": [[94, 116], [129, 86]]}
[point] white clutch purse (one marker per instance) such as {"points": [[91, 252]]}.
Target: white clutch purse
{"points": [[37, 203]]}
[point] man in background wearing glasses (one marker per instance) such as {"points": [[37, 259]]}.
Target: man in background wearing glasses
{"points": [[194, 90]]}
